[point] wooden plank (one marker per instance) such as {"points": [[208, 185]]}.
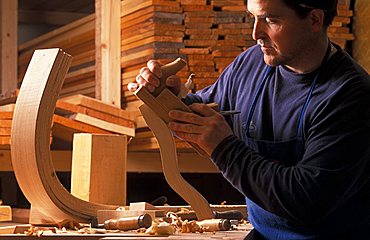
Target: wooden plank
{"points": [[98, 105], [5, 131], [65, 108], [7, 107], [8, 49], [108, 46], [99, 168], [111, 127], [6, 123], [65, 128], [6, 115]]}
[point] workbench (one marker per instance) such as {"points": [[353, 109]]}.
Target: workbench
{"points": [[73, 235]]}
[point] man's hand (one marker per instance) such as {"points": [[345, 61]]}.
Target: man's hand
{"points": [[149, 77], [205, 127]]}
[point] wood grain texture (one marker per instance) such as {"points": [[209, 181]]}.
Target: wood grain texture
{"points": [[30, 140], [170, 165], [8, 49]]}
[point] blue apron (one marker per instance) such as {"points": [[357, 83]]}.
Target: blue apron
{"points": [[289, 152]]}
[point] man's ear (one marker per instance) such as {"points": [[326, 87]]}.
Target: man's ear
{"points": [[317, 19]]}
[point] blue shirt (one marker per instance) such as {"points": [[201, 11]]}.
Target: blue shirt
{"points": [[329, 188]]}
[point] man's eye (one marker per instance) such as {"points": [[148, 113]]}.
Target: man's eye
{"points": [[269, 20]]}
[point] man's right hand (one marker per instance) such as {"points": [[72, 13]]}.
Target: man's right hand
{"points": [[149, 77]]}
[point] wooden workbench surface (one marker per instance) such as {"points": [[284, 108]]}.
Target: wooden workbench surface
{"points": [[241, 233], [121, 236]]}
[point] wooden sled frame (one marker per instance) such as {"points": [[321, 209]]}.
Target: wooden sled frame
{"points": [[155, 112], [30, 142]]}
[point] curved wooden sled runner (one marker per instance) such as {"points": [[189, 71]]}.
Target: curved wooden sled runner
{"points": [[30, 141], [155, 112]]}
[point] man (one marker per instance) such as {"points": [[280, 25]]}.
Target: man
{"points": [[300, 149]]}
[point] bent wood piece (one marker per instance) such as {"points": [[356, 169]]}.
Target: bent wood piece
{"points": [[30, 149], [170, 165], [162, 100]]}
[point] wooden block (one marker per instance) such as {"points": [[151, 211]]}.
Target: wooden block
{"points": [[5, 213], [99, 168], [142, 206], [104, 215]]}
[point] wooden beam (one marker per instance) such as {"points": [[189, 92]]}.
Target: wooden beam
{"points": [[108, 51], [361, 48], [8, 43]]}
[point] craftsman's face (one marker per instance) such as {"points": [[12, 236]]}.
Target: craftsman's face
{"points": [[280, 32]]}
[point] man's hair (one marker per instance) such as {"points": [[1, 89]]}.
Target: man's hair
{"points": [[304, 7]]}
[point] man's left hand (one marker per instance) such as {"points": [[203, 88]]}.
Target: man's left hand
{"points": [[205, 127]]}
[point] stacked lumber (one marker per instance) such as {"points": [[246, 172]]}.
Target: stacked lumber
{"points": [[77, 39], [6, 118], [149, 30], [74, 114], [208, 34], [5, 128], [339, 31], [83, 114]]}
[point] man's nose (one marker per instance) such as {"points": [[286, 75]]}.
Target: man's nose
{"points": [[258, 29]]}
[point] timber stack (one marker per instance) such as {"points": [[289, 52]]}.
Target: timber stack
{"points": [[339, 31], [74, 114], [208, 34]]}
